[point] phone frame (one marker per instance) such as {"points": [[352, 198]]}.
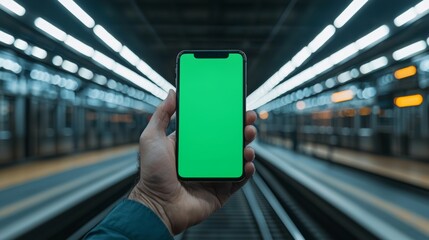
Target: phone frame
{"points": [[210, 54]]}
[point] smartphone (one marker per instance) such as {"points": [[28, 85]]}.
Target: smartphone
{"points": [[210, 115]]}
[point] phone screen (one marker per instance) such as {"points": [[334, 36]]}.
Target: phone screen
{"points": [[210, 115]]}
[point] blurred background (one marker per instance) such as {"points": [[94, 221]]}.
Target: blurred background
{"points": [[341, 89]]}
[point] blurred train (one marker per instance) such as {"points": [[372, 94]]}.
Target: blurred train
{"points": [[381, 107], [47, 112]]}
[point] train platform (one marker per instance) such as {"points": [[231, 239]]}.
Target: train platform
{"points": [[37, 191], [404, 170], [394, 211]]}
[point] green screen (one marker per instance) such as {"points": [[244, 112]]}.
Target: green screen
{"points": [[210, 140]]}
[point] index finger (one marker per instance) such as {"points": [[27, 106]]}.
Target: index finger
{"points": [[250, 117]]}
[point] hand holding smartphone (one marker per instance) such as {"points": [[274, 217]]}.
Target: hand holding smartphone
{"points": [[211, 92]]}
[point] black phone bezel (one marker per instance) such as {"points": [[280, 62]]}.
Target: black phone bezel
{"points": [[209, 54]]}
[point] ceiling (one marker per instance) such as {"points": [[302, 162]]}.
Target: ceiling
{"points": [[270, 32]]}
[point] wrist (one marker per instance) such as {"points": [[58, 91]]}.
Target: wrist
{"points": [[140, 197]]}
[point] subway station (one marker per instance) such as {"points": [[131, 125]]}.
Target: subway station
{"points": [[299, 119]]}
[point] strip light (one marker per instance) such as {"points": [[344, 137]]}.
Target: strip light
{"points": [[13, 7], [116, 45], [374, 65], [6, 38], [20, 44], [314, 45], [409, 50], [69, 66], [103, 60], [79, 46], [128, 55], [50, 29], [322, 38], [107, 38], [39, 52], [349, 12], [412, 14], [78, 12], [320, 67]]}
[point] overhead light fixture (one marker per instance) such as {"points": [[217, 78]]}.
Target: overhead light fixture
{"points": [[69, 66], [13, 7], [374, 65], [85, 73], [57, 60], [301, 56], [128, 55], [349, 12], [322, 66], [6, 38], [322, 38], [344, 77], [313, 46], [405, 72], [344, 53], [405, 17], [342, 96], [50, 29], [409, 50], [409, 100], [412, 14], [422, 7], [139, 81], [20, 44], [373, 37], [78, 12], [107, 38], [103, 60], [79, 46], [39, 52]]}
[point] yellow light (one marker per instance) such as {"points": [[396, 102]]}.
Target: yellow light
{"points": [[263, 115], [409, 101], [365, 111], [405, 72], [342, 96]]}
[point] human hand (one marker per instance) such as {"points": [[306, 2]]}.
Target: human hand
{"points": [[179, 204]]}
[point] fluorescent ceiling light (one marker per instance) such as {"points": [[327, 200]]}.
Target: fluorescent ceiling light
{"points": [[322, 38], [20, 44], [139, 81], [69, 66], [78, 12], [13, 7], [39, 52], [128, 55], [373, 37], [344, 77], [373, 65], [107, 38], [79, 46], [57, 60], [349, 12], [301, 56], [85, 73], [409, 50], [6, 38], [50, 29], [103, 60], [422, 7], [322, 66], [344, 53], [405, 17]]}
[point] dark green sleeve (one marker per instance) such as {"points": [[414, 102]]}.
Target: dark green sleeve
{"points": [[130, 220]]}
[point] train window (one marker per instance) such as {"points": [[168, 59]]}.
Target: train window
{"points": [[69, 117], [4, 114]]}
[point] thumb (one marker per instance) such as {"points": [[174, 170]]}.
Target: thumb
{"points": [[161, 117]]}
